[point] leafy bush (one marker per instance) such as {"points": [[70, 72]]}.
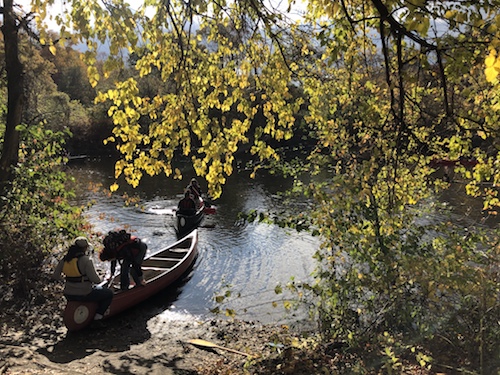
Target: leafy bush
{"points": [[404, 280], [35, 215]]}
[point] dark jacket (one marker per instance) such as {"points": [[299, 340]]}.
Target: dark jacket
{"points": [[187, 205], [126, 251]]}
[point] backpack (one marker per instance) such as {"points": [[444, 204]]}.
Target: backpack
{"points": [[116, 238]]}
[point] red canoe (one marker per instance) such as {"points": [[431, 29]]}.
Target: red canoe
{"points": [[160, 269]]}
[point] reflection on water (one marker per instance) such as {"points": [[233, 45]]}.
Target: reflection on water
{"points": [[247, 259], [467, 210]]}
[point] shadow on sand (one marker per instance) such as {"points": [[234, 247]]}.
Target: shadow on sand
{"points": [[116, 334]]}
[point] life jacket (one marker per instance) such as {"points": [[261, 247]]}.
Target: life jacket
{"points": [[187, 203], [134, 249], [195, 191], [72, 272]]}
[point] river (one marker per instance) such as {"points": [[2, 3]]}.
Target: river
{"points": [[245, 260]]}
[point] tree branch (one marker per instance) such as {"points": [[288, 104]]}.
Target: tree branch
{"points": [[397, 28]]}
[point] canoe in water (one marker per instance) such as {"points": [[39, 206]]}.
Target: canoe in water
{"points": [[185, 223], [160, 269]]}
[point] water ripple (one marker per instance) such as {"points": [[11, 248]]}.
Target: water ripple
{"points": [[246, 259]]}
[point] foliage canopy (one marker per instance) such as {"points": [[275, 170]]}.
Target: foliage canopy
{"points": [[227, 63], [386, 88]]}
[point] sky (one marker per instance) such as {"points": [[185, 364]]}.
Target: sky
{"points": [[60, 5]]}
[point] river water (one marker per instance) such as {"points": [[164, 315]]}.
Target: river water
{"points": [[245, 260]]}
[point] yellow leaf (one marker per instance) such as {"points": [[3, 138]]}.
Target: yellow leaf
{"points": [[295, 342], [461, 17], [450, 14], [491, 74], [178, 174], [113, 187], [53, 50], [490, 60]]}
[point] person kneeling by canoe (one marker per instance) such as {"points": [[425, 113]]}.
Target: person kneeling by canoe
{"points": [[129, 251], [81, 277]]}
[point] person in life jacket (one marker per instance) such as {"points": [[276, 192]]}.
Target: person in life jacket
{"points": [[195, 189], [196, 193], [77, 269], [187, 205], [130, 254]]}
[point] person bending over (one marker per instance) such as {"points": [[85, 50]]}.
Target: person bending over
{"points": [[129, 252]]}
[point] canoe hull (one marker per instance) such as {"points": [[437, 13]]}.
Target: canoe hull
{"points": [[161, 269], [184, 224], [78, 315]]}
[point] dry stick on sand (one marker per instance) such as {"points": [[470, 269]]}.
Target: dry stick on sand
{"points": [[208, 344]]}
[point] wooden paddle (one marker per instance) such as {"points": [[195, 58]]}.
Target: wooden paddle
{"points": [[208, 344]]}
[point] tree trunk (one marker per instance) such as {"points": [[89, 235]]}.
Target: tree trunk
{"points": [[15, 97]]}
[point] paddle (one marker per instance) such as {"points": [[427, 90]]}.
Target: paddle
{"points": [[207, 210], [111, 280], [208, 344]]}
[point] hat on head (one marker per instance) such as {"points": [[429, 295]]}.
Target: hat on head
{"points": [[83, 243]]}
